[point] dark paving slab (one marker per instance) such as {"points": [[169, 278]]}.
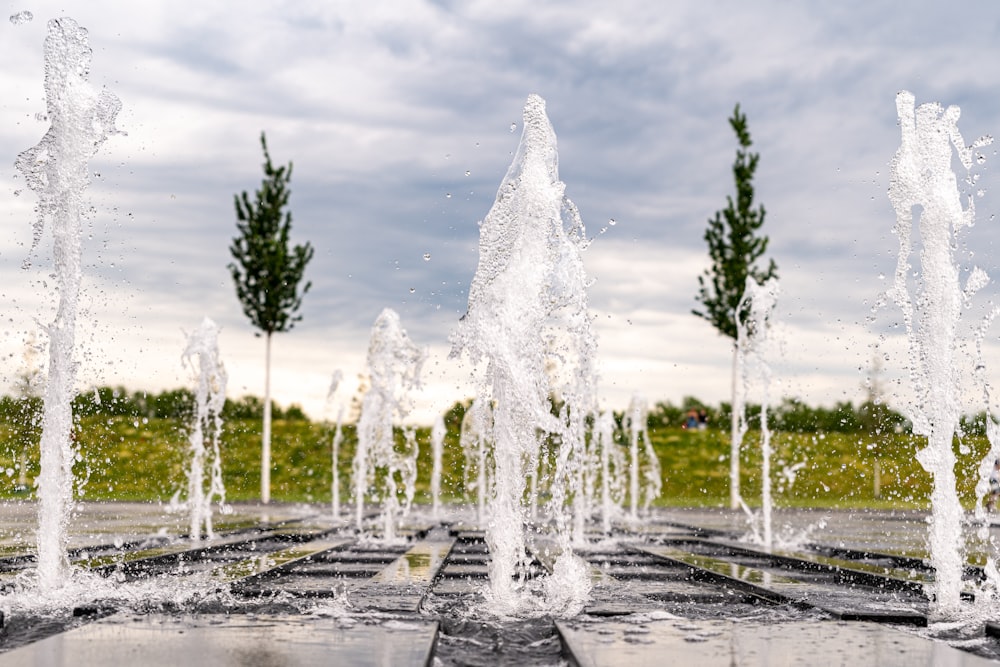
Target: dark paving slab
{"points": [[288, 641], [282, 567], [660, 640], [805, 588]]}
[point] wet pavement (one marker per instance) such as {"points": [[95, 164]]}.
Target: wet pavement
{"points": [[289, 585]]}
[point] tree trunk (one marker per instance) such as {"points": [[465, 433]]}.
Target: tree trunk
{"points": [[734, 450], [265, 448]]}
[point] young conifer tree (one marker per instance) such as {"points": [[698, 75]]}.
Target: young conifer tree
{"points": [[734, 247], [267, 272]]}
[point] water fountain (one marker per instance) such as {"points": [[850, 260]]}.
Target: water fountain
{"points": [[210, 398], [338, 440], [526, 288], [438, 431], [57, 170], [394, 363], [527, 309], [922, 177], [612, 469], [474, 439], [643, 462], [753, 335]]}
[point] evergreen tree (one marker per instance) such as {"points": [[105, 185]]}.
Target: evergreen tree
{"points": [[734, 248], [267, 273]]}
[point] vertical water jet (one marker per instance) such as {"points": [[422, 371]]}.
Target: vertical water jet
{"points": [[210, 398], [922, 180], [394, 363], [526, 289], [57, 170]]}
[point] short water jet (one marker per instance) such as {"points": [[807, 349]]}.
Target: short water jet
{"points": [[394, 363], [753, 335], [210, 398]]}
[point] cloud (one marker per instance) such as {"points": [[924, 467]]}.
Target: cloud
{"points": [[398, 120]]}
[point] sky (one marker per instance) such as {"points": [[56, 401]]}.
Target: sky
{"points": [[401, 119]]}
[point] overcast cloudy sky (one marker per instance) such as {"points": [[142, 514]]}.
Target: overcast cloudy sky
{"points": [[401, 118]]}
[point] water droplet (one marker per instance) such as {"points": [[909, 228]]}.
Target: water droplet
{"points": [[427, 257], [21, 17], [612, 222], [448, 195], [881, 276], [17, 193], [468, 173], [513, 126], [412, 290]]}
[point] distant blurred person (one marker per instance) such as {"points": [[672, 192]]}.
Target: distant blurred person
{"points": [[991, 500]]}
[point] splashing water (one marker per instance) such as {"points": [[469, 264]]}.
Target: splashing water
{"points": [[394, 363], [21, 17], [210, 398], [921, 176], [753, 335], [526, 288], [57, 170]]}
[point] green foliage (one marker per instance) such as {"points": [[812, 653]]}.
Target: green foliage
{"points": [[174, 404], [808, 469], [144, 459], [732, 242], [794, 416], [265, 270]]}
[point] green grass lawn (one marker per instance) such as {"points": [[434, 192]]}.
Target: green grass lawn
{"points": [[125, 459]]}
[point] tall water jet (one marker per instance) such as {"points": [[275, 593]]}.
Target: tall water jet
{"points": [[753, 329], [210, 398], [922, 176], [990, 586], [394, 363], [57, 170], [529, 245]]}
